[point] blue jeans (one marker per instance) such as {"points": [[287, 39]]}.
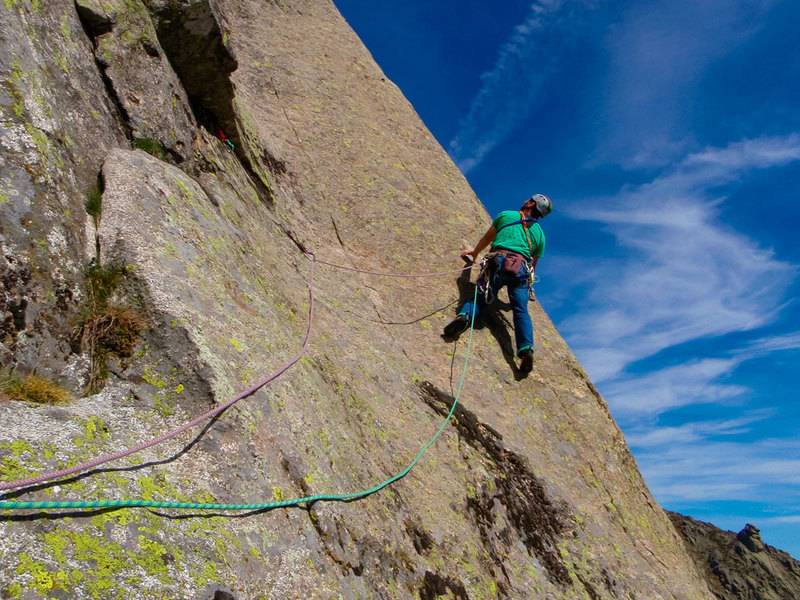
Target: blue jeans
{"points": [[518, 295]]}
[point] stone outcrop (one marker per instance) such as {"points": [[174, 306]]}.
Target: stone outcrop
{"points": [[58, 124], [740, 566], [267, 124], [149, 96]]}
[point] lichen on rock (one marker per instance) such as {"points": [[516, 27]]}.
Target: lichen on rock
{"points": [[530, 493]]}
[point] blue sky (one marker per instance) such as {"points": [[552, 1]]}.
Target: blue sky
{"points": [[667, 133]]}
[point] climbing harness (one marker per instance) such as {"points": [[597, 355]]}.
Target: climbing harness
{"points": [[511, 264], [531, 274], [307, 500], [524, 220]]}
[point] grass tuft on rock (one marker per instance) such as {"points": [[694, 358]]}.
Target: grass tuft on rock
{"points": [[94, 204], [31, 388], [94, 208], [109, 325], [151, 146]]}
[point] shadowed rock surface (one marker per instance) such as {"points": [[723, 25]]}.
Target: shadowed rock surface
{"points": [[740, 566], [530, 493]]}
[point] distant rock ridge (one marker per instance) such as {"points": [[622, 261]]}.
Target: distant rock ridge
{"points": [[740, 566], [160, 160], [750, 536]]}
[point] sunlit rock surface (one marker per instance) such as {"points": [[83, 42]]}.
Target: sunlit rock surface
{"points": [[220, 134]]}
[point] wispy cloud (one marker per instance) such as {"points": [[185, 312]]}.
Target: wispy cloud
{"points": [[509, 91], [657, 438], [667, 389], [788, 519], [704, 470], [657, 53], [681, 275], [788, 341], [684, 275]]}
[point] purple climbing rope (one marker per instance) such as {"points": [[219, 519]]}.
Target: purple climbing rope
{"points": [[8, 485], [330, 264]]}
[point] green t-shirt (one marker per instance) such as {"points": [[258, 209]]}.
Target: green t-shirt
{"points": [[513, 237]]}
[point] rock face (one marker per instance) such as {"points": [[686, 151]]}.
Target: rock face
{"points": [[266, 124], [740, 566]]}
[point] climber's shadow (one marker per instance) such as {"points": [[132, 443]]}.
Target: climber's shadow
{"points": [[491, 318], [500, 326], [466, 289]]}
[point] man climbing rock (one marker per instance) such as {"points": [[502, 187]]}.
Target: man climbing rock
{"points": [[517, 243]]}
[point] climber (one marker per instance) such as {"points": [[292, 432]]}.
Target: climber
{"points": [[517, 243]]}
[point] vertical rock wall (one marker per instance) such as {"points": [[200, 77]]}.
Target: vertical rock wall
{"points": [[57, 127], [531, 492]]}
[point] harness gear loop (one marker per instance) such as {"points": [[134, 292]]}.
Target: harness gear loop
{"points": [[531, 274], [489, 262], [484, 282]]}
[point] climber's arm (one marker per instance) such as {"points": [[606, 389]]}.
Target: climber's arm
{"points": [[484, 242]]}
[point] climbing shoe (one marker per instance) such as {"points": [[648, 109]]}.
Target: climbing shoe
{"points": [[456, 326], [526, 361]]}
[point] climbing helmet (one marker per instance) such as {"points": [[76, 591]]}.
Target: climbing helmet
{"points": [[543, 204]]}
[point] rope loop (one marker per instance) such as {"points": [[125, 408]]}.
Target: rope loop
{"points": [[131, 503]]}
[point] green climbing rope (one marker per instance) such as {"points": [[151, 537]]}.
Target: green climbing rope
{"points": [[85, 505]]}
